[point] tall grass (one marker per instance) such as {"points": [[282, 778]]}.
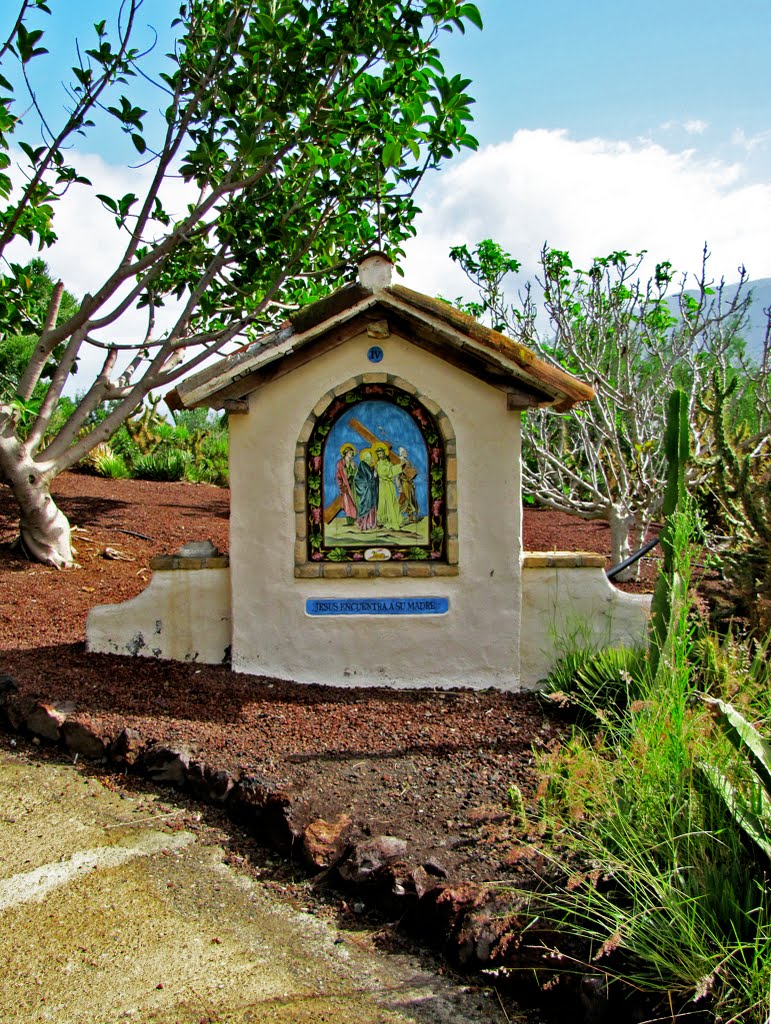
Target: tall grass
{"points": [[660, 883]]}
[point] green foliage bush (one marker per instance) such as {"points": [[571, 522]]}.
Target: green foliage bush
{"points": [[165, 464], [653, 812], [598, 680], [194, 447]]}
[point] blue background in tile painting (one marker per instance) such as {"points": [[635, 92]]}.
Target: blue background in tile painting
{"points": [[392, 424]]}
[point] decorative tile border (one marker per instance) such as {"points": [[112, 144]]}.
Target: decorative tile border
{"points": [[563, 560], [308, 569], [167, 562]]}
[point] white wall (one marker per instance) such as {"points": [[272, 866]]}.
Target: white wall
{"points": [[477, 642], [567, 604], [182, 615]]}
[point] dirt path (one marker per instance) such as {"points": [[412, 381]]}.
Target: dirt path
{"points": [[116, 908]]}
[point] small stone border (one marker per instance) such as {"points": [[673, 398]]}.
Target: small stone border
{"points": [[474, 925], [562, 560]]}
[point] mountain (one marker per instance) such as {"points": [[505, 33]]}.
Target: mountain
{"points": [[761, 299], [756, 329]]}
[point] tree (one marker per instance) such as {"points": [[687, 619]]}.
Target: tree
{"points": [[635, 342], [16, 350], [302, 129]]}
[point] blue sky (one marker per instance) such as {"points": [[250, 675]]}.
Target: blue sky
{"points": [[618, 70], [605, 125], [602, 126]]}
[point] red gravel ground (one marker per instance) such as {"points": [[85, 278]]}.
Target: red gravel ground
{"points": [[433, 767]]}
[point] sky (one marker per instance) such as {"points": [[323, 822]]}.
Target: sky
{"points": [[606, 126], [602, 126]]}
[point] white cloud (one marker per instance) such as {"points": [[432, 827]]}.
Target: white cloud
{"points": [[695, 126], [692, 126], [591, 197], [749, 143]]}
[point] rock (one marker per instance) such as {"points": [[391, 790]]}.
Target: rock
{"points": [[324, 842], [220, 786], [253, 793], [481, 931], [276, 816], [423, 882], [165, 764], [8, 686], [45, 720], [370, 857], [126, 747], [401, 879], [82, 740], [435, 867], [483, 926], [12, 715], [198, 549], [593, 992], [207, 784]]}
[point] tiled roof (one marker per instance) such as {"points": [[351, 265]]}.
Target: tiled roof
{"points": [[430, 322]]}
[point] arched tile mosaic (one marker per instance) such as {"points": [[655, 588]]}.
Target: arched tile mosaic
{"points": [[376, 484]]}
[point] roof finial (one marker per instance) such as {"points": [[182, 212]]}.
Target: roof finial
{"points": [[375, 271]]}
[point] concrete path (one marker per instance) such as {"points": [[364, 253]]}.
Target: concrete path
{"points": [[108, 915]]}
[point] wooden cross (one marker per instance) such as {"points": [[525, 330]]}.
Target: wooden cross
{"points": [[334, 507]]}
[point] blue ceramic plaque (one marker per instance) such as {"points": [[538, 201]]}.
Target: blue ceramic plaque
{"points": [[377, 605]]}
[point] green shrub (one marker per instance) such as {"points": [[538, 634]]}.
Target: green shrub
{"points": [[103, 461], [166, 464], [113, 466], [124, 445], [210, 458], [661, 887], [192, 420], [598, 681]]}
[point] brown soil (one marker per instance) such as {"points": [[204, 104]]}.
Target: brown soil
{"points": [[433, 767]]}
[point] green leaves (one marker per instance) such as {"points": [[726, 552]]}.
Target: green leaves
{"points": [[26, 43], [301, 128], [392, 153], [471, 13], [745, 739], [749, 804], [128, 114], [121, 207]]}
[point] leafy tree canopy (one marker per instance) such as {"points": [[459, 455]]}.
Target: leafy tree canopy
{"points": [[301, 129]]}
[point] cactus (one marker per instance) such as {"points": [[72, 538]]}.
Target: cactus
{"points": [[669, 587], [677, 449], [142, 428], [740, 480]]}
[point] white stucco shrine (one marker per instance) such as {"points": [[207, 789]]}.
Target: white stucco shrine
{"points": [[376, 513]]}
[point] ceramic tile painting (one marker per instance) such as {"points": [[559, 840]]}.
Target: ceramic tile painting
{"points": [[376, 479]]}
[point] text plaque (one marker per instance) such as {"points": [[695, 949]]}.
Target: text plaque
{"points": [[377, 605]]}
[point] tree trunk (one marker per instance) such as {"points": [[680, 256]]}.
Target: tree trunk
{"points": [[621, 525], [44, 529]]}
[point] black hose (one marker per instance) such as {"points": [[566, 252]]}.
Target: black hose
{"points": [[631, 559]]}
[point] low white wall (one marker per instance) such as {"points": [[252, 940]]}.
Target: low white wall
{"points": [[182, 615], [568, 602]]}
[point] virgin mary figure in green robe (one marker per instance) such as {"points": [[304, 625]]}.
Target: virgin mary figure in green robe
{"points": [[389, 514]]}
